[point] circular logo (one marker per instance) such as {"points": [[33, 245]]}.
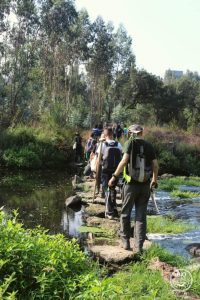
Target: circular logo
{"points": [[181, 280]]}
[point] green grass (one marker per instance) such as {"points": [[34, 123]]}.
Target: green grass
{"points": [[185, 194], [162, 224], [175, 182], [97, 231], [137, 281]]}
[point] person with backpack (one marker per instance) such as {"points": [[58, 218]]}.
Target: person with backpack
{"points": [[89, 147], [110, 158], [139, 164]]}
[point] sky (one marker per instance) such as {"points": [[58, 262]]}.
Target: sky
{"points": [[165, 33]]}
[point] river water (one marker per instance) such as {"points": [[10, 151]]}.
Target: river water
{"points": [[40, 197]]}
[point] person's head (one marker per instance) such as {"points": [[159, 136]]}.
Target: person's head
{"points": [[92, 135], [96, 126], [125, 125], [108, 132], [77, 133], [136, 129]]}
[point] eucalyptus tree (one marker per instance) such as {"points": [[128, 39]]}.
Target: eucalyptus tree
{"points": [[100, 66]]}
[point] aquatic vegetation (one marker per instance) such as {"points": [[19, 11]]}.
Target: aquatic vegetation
{"points": [[185, 194], [170, 184], [164, 224]]}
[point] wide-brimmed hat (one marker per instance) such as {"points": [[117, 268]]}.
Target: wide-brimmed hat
{"points": [[135, 128]]}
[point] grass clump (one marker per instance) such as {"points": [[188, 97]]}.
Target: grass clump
{"points": [[97, 231], [185, 194], [170, 184], [165, 224], [136, 283]]}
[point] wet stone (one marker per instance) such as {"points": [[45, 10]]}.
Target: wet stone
{"points": [[73, 201], [194, 249], [166, 176]]}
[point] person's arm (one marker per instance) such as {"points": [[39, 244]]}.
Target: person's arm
{"points": [[119, 169], [155, 169]]}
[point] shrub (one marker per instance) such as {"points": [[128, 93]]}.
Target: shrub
{"points": [[28, 147], [22, 158], [41, 266]]}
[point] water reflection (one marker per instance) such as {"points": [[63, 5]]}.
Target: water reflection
{"points": [[39, 197], [71, 221]]}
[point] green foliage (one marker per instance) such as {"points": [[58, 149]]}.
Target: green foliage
{"points": [[177, 152], [22, 158], [164, 224], [174, 183], [185, 194], [137, 282], [195, 288], [35, 265], [28, 147], [121, 114], [157, 251]]}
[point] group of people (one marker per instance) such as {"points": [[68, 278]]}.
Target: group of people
{"points": [[137, 161]]}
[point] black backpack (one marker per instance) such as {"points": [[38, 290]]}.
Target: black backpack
{"points": [[112, 157]]}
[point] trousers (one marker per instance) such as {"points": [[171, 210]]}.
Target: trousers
{"points": [[110, 194], [138, 194]]}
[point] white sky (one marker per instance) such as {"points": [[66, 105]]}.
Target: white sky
{"points": [[165, 33]]}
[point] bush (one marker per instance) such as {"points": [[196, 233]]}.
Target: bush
{"points": [[177, 152], [40, 266], [28, 147], [22, 158]]}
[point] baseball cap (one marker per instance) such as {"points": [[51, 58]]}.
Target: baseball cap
{"points": [[135, 128]]}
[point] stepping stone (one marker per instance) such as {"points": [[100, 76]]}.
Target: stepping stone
{"points": [[114, 254], [96, 210], [104, 223]]}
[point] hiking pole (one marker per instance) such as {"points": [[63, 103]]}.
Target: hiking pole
{"points": [[154, 200], [106, 199]]}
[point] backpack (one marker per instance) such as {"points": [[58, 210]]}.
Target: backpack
{"points": [[112, 157], [139, 171], [90, 145]]}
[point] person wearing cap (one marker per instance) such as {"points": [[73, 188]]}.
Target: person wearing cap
{"points": [[136, 189]]}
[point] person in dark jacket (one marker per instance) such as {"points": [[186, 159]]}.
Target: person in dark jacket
{"points": [[77, 147]]}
